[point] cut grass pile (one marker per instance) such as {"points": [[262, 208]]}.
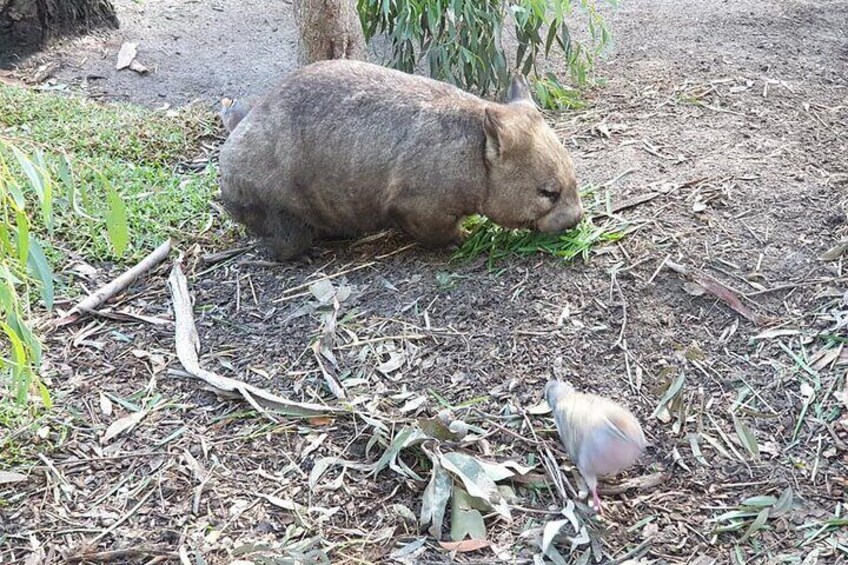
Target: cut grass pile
{"points": [[132, 149], [496, 243]]}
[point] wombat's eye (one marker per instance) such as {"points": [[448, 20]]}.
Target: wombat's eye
{"points": [[549, 194]]}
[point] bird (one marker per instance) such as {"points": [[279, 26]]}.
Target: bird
{"points": [[601, 436]]}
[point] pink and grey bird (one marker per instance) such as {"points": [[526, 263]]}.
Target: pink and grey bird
{"points": [[601, 436]]}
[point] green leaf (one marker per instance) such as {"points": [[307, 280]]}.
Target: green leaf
{"points": [[46, 197], [6, 246], [22, 236], [44, 393], [31, 343], [39, 182], [746, 436], [18, 198], [41, 270], [67, 177], [783, 504], [116, 219], [757, 524], [466, 521], [476, 481], [7, 291], [19, 363], [552, 33]]}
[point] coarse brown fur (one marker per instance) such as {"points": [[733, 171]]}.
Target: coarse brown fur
{"points": [[343, 148]]}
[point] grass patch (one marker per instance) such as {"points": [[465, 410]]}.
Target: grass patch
{"points": [[497, 243], [128, 148], [116, 132], [82, 180]]}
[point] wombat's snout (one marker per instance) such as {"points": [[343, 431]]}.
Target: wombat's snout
{"points": [[560, 219]]}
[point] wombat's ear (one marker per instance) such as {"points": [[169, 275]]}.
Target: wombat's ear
{"points": [[495, 130], [519, 91]]}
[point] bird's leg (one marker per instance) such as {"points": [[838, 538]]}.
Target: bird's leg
{"points": [[597, 500]]}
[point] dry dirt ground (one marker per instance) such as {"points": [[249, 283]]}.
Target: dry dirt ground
{"points": [[732, 117]]}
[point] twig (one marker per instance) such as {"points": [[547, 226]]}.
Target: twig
{"points": [[195, 501], [188, 344], [122, 519], [617, 178], [620, 341], [361, 342], [212, 258], [305, 286], [121, 555], [635, 201], [107, 291], [659, 268], [799, 284]]}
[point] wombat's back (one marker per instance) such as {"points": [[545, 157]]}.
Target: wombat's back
{"points": [[336, 141]]}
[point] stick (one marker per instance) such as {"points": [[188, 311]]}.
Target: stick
{"points": [[305, 286], [187, 344], [118, 555], [107, 291], [635, 201]]}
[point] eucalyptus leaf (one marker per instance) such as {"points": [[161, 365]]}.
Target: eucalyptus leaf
{"points": [[476, 481], [783, 504], [673, 390], [408, 550], [747, 437], [40, 269], [551, 530], [435, 499], [758, 524], [466, 521]]}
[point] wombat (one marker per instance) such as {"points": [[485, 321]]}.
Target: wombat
{"points": [[343, 148]]}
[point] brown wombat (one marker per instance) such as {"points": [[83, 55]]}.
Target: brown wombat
{"points": [[344, 148]]}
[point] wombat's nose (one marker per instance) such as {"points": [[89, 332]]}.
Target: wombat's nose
{"points": [[570, 218], [560, 220], [574, 217]]}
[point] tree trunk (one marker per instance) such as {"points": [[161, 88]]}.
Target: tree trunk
{"points": [[328, 29], [30, 22]]}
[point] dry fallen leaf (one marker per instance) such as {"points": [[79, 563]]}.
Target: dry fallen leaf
{"points": [[320, 421], [122, 425], [465, 545], [8, 477], [105, 405]]}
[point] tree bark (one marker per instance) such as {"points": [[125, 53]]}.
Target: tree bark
{"points": [[328, 29], [33, 21]]}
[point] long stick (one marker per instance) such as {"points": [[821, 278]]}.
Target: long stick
{"points": [[188, 344], [107, 291]]}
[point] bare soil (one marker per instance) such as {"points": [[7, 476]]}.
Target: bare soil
{"points": [[733, 115]]}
